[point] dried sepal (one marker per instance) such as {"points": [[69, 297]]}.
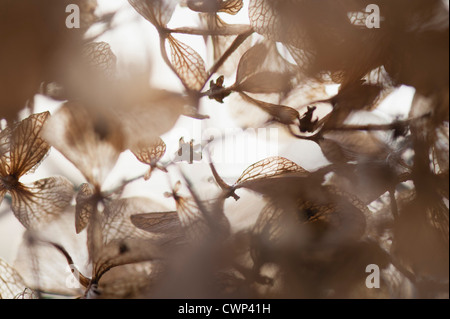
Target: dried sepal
{"points": [[166, 223], [261, 70], [213, 6], [127, 281], [268, 222], [341, 147], [123, 252], [84, 206], [150, 154], [251, 61], [92, 144], [158, 12], [99, 57], [269, 168], [276, 21], [148, 108], [41, 201], [117, 225], [12, 285], [26, 146], [188, 64], [281, 113]]}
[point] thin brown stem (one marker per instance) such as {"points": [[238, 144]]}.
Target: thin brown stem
{"points": [[378, 127], [233, 47], [236, 30]]}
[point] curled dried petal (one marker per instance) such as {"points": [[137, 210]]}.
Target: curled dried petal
{"points": [[123, 252], [283, 114]]}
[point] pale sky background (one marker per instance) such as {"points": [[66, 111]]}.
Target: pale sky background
{"points": [[135, 40]]}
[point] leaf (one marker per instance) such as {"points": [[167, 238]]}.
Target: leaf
{"points": [[158, 12], [188, 65], [12, 284], [41, 201], [92, 144], [269, 168]]}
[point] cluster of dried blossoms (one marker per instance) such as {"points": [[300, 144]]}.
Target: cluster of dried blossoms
{"points": [[374, 204]]}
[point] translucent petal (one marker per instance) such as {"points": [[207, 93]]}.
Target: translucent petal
{"points": [[41, 201], [128, 281], [227, 6], [92, 145], [147, 116], [151, 153], [158, 12], [117, 224], [11, 283], [123, 252], [188, 64], [284, 114], [84, 206], [158, 223], [28, 148], [270, 167], [100, 57]]}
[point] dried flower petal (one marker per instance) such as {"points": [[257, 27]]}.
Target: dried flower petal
{"points": [[150, 154], [11, 283], [158, 12], [211, 6], [41, 201], [100, 57], [84, 206], [27, 148], [92, 145], [158, 223], [270, 167], [188, 64]]}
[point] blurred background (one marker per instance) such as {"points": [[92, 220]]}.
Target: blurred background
{"points": [[135, 42]]}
